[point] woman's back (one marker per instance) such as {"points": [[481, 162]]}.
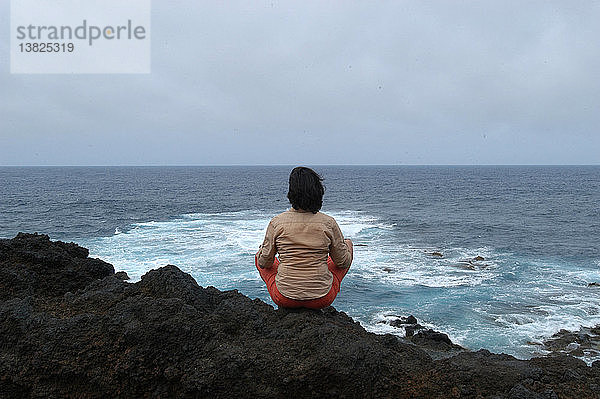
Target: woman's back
{"points": [[313, 255], [304, 240]]}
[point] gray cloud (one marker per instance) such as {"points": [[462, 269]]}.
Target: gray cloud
{"points": [[326, 82]]}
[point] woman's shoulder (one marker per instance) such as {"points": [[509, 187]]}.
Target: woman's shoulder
{"points": [[329, 221], [292, 215], [325, 216], [282, 217]]}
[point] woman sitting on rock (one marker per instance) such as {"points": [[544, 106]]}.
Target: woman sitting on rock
{"points": [[313, 255]]}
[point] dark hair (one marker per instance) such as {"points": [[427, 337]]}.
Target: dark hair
{"points": [[306, 190]]}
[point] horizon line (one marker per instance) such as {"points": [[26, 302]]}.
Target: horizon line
{"points": [[266, 165]]}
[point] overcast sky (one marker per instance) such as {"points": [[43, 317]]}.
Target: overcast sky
{"points": [[325, 82]]}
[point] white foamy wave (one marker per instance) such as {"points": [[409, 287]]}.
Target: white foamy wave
{"points": [[527, 333], [207, 245], [355, 224], [216, 248], [401, 264]]}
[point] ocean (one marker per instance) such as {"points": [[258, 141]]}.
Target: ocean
{"points": [[537, 229]]}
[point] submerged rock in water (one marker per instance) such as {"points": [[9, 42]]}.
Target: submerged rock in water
{"points": [[584, 342], [70, 327], [435, 254], [464, 265], [471, 264], [400, 321]]}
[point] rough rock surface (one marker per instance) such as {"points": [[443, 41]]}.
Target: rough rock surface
{"points": [[71, 328]]}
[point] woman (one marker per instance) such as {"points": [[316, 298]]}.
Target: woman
{"points": [[313, 255]]}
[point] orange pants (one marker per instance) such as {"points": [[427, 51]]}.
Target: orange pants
{"points": [[268, 276]]}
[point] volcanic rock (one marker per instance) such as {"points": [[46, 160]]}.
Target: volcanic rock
{"points": [[71, 328]]}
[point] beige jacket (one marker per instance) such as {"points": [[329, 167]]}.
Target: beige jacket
{"points": [[303, 241]]}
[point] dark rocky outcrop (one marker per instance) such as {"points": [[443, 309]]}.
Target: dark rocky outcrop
{"points": [[31, 266], [437, 345], [584, 342], [71, 328], [410, 324]]}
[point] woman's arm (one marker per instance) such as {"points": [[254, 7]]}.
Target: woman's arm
{"points": [[266, 252], [350, 246], [340, 250]]}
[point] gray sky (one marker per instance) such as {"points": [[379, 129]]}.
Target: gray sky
{"points": [[325, 82]]}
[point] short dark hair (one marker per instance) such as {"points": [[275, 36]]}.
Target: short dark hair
{"points": [[306, 189]]}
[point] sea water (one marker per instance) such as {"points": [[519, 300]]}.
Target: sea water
{"points": [[536, 227]]}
